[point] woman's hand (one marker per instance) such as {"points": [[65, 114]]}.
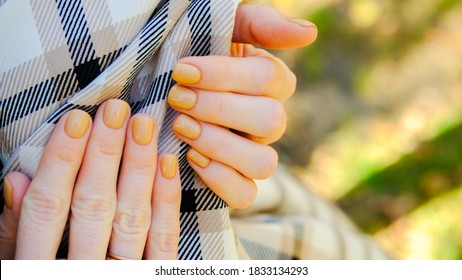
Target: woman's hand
{"points": [[121, 214], [245, 96], [232, 107]]}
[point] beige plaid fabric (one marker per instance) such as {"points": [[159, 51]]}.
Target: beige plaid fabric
{"points": [[59, 55]]}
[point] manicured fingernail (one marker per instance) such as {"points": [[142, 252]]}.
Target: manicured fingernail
{"points": [[115, 113], [198, 158], [187, 127], [182, 98], [142, 129], [237, 50], [77, 124], [168, 165], [301, 22], [186, 74], [7, 194]]}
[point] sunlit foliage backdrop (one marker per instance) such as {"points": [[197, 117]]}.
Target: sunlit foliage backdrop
{"points": [[376, 123]]}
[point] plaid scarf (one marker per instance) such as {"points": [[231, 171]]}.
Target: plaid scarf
{"points": [[59, 55]]}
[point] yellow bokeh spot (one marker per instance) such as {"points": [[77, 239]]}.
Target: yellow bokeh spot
{"points": [[364, 13], [285, 6]]}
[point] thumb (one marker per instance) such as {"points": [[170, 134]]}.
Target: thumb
{"points": [[263, 25], [15, 186]]}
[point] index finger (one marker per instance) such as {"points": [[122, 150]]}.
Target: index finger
{"points": [[258, 74]]}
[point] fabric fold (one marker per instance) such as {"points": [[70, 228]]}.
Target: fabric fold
{"points": [[138, 72], [59, 55]]}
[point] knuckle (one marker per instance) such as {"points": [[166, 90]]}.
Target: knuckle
{"points": [[141, 166], [105, 149], [164, 242], [270, 78], [219, 145], [283, 81], [218, 108], [291, 83], [275, 122], [246, 197], [267, 163], [45, 207], [132, 222], [62, 156], [93, 208]]}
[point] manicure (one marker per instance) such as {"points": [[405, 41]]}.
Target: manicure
{"points": [[77, 124], [142, 129], [115, 113], [198, 158], [186, 74], [168, 165], [8, 194], [187, 127], [182, 98]]}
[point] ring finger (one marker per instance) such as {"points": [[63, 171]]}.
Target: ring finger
{"points": [[254, 160]]}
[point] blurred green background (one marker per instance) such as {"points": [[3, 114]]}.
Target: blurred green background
{"points": [[376, 123]]}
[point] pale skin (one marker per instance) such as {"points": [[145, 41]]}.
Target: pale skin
{"points": [[229, 116]]}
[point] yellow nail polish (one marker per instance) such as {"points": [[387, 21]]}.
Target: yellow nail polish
{"points": [[198, 158], [77, 124], [142, 129], [182, 98], [8, 194], [237, 50], [186, 74], [168, 165], [187, 127], [301, 22], [115, 113]]}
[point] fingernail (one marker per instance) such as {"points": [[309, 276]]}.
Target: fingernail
{"points": [[182, 98], [7, 194], [187, 127], [237, 50], [77, 124], [198, 158], [301, 22], [168, 165], [142, 129], [186, 74], [115, 113]]}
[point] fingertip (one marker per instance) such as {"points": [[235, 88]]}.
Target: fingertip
{"points": [[15, 185], [144, 129], [290, 33], [264, 25], [169, 166], [167, 183], [197, 158]]}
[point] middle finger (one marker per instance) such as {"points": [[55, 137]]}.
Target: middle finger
{"points": [[262, 117]]}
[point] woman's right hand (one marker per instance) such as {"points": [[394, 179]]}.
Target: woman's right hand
{"points": [[121, 214]]}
